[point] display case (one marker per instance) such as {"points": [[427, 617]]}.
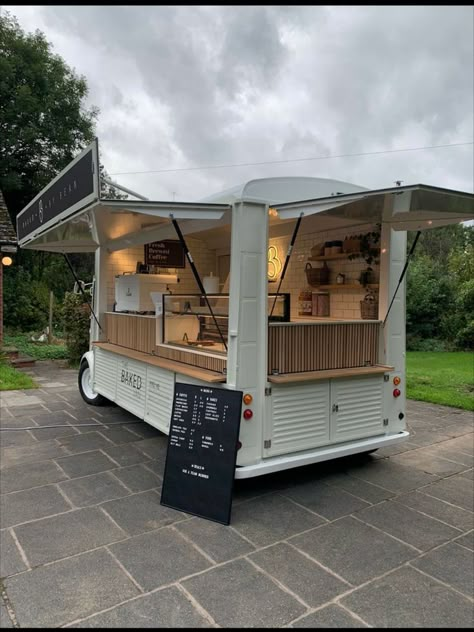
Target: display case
{"points": [[190, 321]]}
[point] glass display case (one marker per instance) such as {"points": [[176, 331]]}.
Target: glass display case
{"points": [[188, 322]]}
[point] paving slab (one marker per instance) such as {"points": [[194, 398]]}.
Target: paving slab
{"points": [[61, 536], [5, 621], [466, 540], [31, 504], [450, 564], [29, 475], [141, 512], [138, 478], [456, 490], [56, 594], [439, 509], [304, 577], [118, 434], [165, 608], [94, 489], [353, 550], [368, 492], [143, 430], [124, 455], [332, 616], [392, 476], [408, 525], [16, 438], [85, 442], [238, 595], [428, 461], [154, 448], [218, 541], [86, 463], [409, 599], [329, 502], [158, 558], [40, 451], [11, 561], [268, 519]]}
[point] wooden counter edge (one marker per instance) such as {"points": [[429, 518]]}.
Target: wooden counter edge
{"points": [[171, 365], [308, 376]]}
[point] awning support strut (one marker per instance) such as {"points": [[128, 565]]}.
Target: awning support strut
{"points": [[287, 260], [79, 284], [412, 250], [197, 277]]}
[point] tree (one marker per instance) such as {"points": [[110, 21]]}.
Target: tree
{"points": [[43, 120], [44, 123]]}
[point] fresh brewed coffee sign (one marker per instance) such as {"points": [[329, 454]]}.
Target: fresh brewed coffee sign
{"points": [[73, 188], [202, 451], [168, 253]]}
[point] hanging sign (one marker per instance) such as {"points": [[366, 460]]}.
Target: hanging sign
{"points": [[166, 254]]}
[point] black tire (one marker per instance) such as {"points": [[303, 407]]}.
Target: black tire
{"points": [[97, 399]]}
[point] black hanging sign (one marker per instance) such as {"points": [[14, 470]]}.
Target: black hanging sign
{"points": [[202, 451], [74, 188], [168, 253]]}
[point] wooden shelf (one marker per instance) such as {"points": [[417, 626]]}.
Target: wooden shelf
{"points": [[339, 255], [347, 286]]}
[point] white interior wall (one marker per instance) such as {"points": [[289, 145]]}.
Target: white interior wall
{"points": [[344, 303], [125, 260]]}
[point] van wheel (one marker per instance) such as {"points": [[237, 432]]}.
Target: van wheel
{"points": [[85, 387]]}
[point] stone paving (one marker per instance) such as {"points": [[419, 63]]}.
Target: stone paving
{"points": [[378, 541]]}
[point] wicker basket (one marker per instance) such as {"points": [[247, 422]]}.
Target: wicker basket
{"points": [[369, 311], [316, 276]]}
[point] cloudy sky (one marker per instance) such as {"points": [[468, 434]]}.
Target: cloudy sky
{"points": [[190, 86]]}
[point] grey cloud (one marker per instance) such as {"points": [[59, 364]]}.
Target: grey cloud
{"points": [[191, 85]]}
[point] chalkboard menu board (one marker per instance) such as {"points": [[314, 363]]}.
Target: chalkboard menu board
{"points": [[202, 451], [167, 254]]}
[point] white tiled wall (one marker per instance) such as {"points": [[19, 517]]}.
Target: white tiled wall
{"points": [[126, 260], [343, 303]]}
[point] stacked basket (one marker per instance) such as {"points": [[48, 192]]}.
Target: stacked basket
{"points": [[369, 307]]}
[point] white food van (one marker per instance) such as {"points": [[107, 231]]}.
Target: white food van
{"points": [[317, 385]]}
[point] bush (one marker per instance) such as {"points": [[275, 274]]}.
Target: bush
{"points": [[416, 343], [26, 302], [76, 324]]}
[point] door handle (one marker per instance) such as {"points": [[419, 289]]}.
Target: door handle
{"points": [[335, 408]]}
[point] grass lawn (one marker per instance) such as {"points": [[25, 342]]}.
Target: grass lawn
{"points": [[37, 350], [445, 378], [11, 378]]}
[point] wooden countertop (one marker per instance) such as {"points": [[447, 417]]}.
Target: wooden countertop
{"points": [[308, 376], [171, 365]]}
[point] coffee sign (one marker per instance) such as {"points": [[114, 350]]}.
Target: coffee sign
{"points": [[168, 253]]}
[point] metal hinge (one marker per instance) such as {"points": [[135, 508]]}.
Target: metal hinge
{"points": [[335, 408], [268, 390], [386, 378], [385, 422], [267, 443]]}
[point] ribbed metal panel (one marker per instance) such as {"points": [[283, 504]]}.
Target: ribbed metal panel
{"points": [[300, 417], [105, 373], [359, 408], [294, 348], [159, 399], [200, 360]]}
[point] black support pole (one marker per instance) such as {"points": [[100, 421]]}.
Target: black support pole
{"points": [[412, 250], [287, 260], [197, 277], [81, 289]]}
